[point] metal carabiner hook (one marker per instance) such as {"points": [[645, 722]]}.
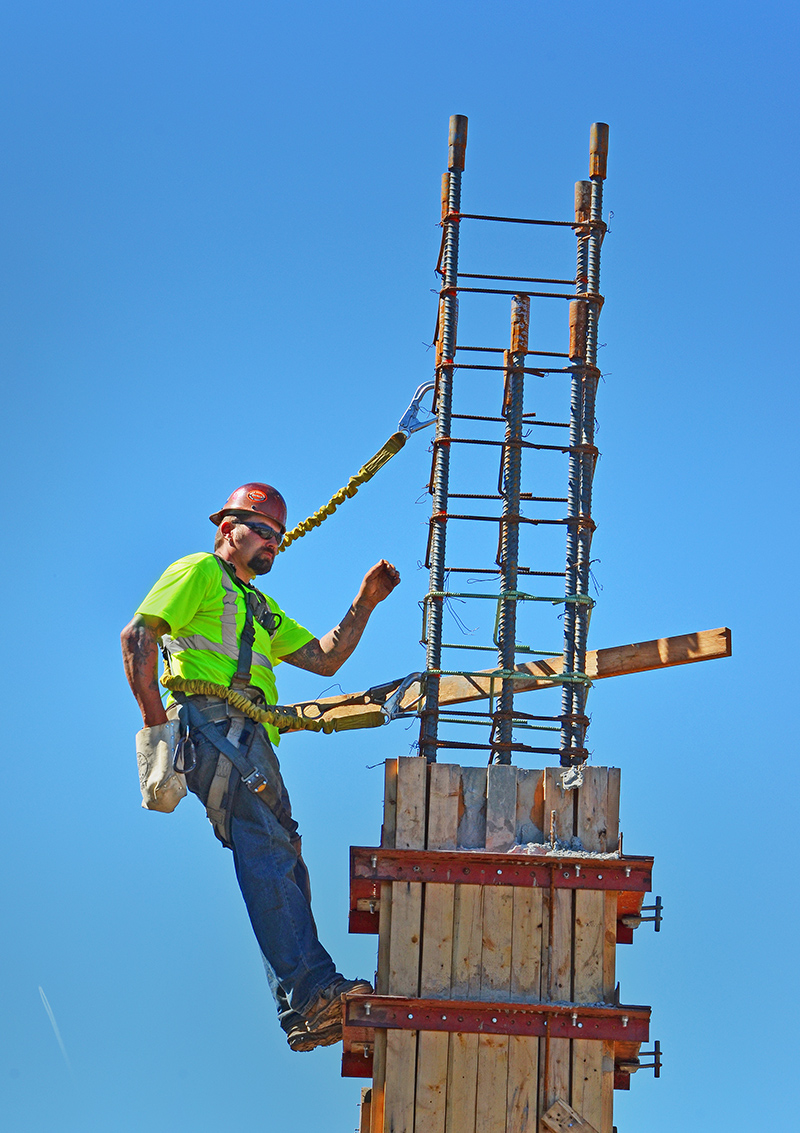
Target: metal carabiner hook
{"points": [[410, 422]]}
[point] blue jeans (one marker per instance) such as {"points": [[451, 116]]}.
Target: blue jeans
{"points": [[271, 873]]}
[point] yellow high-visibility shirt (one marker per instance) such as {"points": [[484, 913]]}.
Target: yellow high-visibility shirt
{"points": [[205, 612]]}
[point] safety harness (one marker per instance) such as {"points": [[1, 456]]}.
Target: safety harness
{"points": [[236, 748]]}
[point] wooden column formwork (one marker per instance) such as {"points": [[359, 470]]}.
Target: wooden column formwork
{"points": [[493, 943]]}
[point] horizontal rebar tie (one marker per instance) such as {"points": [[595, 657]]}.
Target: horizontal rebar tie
{"points": [[582, 522], [513, 674], [512, 596], [586, 450], [502, 350], [516, 278], [499, 291]]}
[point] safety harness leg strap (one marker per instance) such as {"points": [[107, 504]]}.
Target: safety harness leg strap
{"points": [[253, 777]]}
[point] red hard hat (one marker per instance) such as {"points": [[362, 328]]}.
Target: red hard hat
{"points": [[261, 498]]}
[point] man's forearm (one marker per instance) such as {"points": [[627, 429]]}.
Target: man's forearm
{"points": [[140, 657], [327, 655]]}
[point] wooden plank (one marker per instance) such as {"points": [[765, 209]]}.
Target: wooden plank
{"points": [[444, 791], [498, 913], [530, 806], [526, 963], [472, 816], [365, 1124], [610, 952], [361, 709], [501, 808], [404, 950], [597, 822], [562, 1118], [384, 940], [559, 817], [462, 1079]]}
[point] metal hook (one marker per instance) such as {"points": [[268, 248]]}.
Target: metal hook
{"points": [[410, 422]]}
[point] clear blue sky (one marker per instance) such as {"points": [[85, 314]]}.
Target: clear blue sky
{"points": [[218, 240]]}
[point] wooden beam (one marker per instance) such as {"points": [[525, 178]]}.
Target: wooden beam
{"points": [[562, 1118], [363, 709]]}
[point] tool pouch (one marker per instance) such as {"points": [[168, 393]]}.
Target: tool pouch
{"points": [[162, 786]]}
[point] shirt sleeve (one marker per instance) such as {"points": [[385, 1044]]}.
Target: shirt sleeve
{"points": [[178, 594], [290, 636]]}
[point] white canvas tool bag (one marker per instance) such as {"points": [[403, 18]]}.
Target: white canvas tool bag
{"points": [[162, 786]]}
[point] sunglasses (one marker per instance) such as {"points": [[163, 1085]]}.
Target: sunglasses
{"points": [[268, 534]]}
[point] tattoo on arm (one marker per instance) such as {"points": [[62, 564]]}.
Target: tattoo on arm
{"points": [[326, 655]]}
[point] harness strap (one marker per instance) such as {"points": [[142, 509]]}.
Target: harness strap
{"points": [[253, 776], [256, 608]]}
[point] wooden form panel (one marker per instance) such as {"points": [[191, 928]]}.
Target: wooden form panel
{"points": [[493, 944]]}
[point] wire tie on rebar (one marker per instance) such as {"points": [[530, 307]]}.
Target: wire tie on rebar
{"points": [[591, 297]]}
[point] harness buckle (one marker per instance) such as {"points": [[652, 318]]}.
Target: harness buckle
{"points": [[255, 782]]}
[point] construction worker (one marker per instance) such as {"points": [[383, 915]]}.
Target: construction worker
{"points": [[215, 626]]}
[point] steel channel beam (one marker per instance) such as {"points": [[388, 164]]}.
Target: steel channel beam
{"points": [[558, 1020], [441, 457], [510, 487], [375, 864]]}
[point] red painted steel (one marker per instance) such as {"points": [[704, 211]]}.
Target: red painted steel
{"points": [[474, 867], [559, 1020]]}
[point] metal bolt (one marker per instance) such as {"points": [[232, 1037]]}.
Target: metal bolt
{"points": [[374, 860], [627, 871], [624, 1020], [367, 1008]]}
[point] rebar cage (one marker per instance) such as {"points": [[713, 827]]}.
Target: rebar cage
{"points": [[513, 418]]}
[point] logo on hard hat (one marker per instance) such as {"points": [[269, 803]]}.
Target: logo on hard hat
{"points": [[256, 497]]}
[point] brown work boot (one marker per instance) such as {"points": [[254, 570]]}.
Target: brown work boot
{"points": [[300, 1038], [327, 1009]]}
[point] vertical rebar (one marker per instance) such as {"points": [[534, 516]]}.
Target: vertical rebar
{"points": [[577, 351], [591, 377], [584, 317], [508, 557], [441, 456]]}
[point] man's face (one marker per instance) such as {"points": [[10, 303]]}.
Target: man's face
{"points": [[251, 548], [263, 551]]}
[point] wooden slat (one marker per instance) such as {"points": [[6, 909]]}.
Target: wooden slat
{"points": [[404, 951], [562, 1118], [530, 806], [526, 963], [501, 808], [498, 913], [462, 1080], [610, 951], [384, 940], [360, 710], [593, 821], [559, 812], [472, 817], [365, 1125], [496, 945], [437, 949]]}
